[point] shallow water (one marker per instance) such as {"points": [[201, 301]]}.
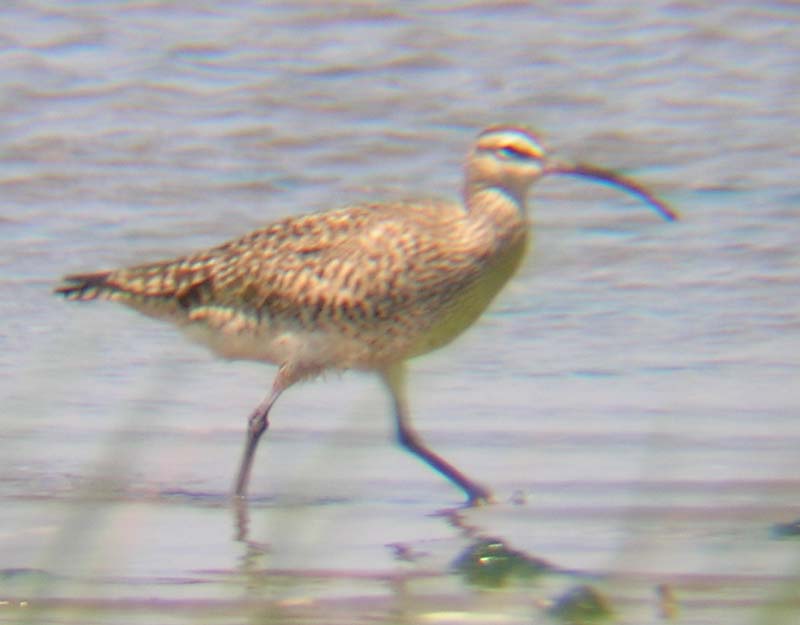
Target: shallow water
{"points": [[631, 399]]}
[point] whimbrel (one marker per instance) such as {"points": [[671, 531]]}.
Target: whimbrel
{"points": [[365, 287]]}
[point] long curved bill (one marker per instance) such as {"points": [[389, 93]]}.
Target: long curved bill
{"points": [[613, 179]]}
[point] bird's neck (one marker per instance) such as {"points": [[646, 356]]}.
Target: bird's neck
{"points": [[497, 204], [498, 218]]}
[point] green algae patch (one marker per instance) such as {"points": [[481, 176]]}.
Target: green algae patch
{"points": [[490, 563], [582, 605]]}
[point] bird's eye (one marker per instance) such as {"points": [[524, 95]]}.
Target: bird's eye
{"points": [[511, 152]]}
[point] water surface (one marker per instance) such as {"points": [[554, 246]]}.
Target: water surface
{"points": [[631, 398]]}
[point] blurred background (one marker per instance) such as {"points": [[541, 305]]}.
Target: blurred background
{"points": [[631, 398]]}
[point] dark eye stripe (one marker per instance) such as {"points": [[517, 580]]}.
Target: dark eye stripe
{"points": [[511, 152]]}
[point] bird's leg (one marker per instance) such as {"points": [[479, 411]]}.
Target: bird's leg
{"points": [[257, 424], [408, 438]]}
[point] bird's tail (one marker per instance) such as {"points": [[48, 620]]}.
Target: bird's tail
{"points": [[159, 289], [86, 286]]}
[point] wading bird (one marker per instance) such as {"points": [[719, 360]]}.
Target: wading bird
{"points": [[365, 287]]}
